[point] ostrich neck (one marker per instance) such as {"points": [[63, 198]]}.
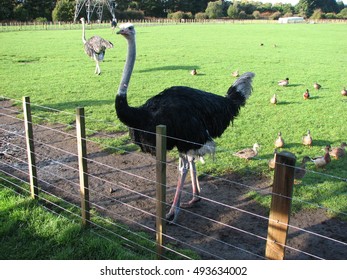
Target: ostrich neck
{"points": [[83, 33], [128, 68]]}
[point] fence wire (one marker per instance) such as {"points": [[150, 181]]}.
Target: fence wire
{"points": [[115, 191]]}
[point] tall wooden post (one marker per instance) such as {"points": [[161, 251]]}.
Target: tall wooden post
{"points": [[82, 163], [161, 188], [280, 206], [34, 190]]}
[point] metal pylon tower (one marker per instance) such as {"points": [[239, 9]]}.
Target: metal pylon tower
{"points": [[95, 5]]}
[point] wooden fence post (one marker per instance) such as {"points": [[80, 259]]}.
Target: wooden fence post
{"points": [[82, 163], [280, 206], [30, 147], [161, 188]]}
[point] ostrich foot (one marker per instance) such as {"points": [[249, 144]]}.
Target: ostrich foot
{"points": [[172, 216], [191, 203]]}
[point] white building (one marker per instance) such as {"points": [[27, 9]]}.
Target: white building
{"points": [[291, 20]]}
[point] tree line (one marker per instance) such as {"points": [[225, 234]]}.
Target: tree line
{"points": [[64, 10]]}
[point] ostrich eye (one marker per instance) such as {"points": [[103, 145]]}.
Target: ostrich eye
{"points": [[131, 27]]}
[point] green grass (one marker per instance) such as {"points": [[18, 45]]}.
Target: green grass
{"points": [[51, 68], [29, 231]]}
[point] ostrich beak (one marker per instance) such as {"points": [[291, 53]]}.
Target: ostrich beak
{"points": [[125, 29], [123, 32]]}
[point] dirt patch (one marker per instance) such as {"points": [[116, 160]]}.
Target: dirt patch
{"points": [[225, 224]]}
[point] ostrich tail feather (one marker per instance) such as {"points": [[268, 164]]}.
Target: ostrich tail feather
{"points": [[242, 87]]}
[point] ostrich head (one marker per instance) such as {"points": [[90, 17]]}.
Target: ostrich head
{"points": [[82, 19], [127, 30]]}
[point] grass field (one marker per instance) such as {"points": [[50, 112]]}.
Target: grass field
{"points": [[51, 68], [29, 231]]}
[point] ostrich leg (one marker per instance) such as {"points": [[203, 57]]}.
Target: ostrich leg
{"points": [[97, 68], [175, 207], [195, 184]]}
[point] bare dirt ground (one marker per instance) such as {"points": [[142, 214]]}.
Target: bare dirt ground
{"points": [[122, 187]]}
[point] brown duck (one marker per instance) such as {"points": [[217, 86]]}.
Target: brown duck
{"points": [[279, 142], [307, 139], [300, 172], [338, 152], [248, 153], [317, 86], [322, 161], [306, 94], [235, 73], [272, 161], [284, 82], [273, 99]]}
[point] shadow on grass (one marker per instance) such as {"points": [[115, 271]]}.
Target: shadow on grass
{"points": [[294, 85], [281, 103], [316, 143], [71, 105], [170, 68], [315, 97]]}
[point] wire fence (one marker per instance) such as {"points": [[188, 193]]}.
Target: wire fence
{"points": [[32, 26], [227, 224]]}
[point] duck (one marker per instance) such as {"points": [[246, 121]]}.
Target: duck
{"points": [[306, 94], [279, 142], [284, 82], [272, 161], [307, 139], [317, 86], [248, 153], [322, 161], [344, 92], [193, 72], [338, 152], [235, 73], [300, 172], [273, 99]]}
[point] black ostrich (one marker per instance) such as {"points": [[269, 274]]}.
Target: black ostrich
{"points": [[192, 117]]}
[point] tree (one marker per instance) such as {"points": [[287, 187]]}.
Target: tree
{"points": [[309, 6], [201, 16], [6, 9], [341, 5], [151, 8], [317, 14], [256, 15], [242, 15], [215, 9], [283, 8], [123, 5], [275, 15], [180, 15], [343, 13], [193, 6], [20, 13], [247, 7], [328, 6], [233, 10], [64, 10]]}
